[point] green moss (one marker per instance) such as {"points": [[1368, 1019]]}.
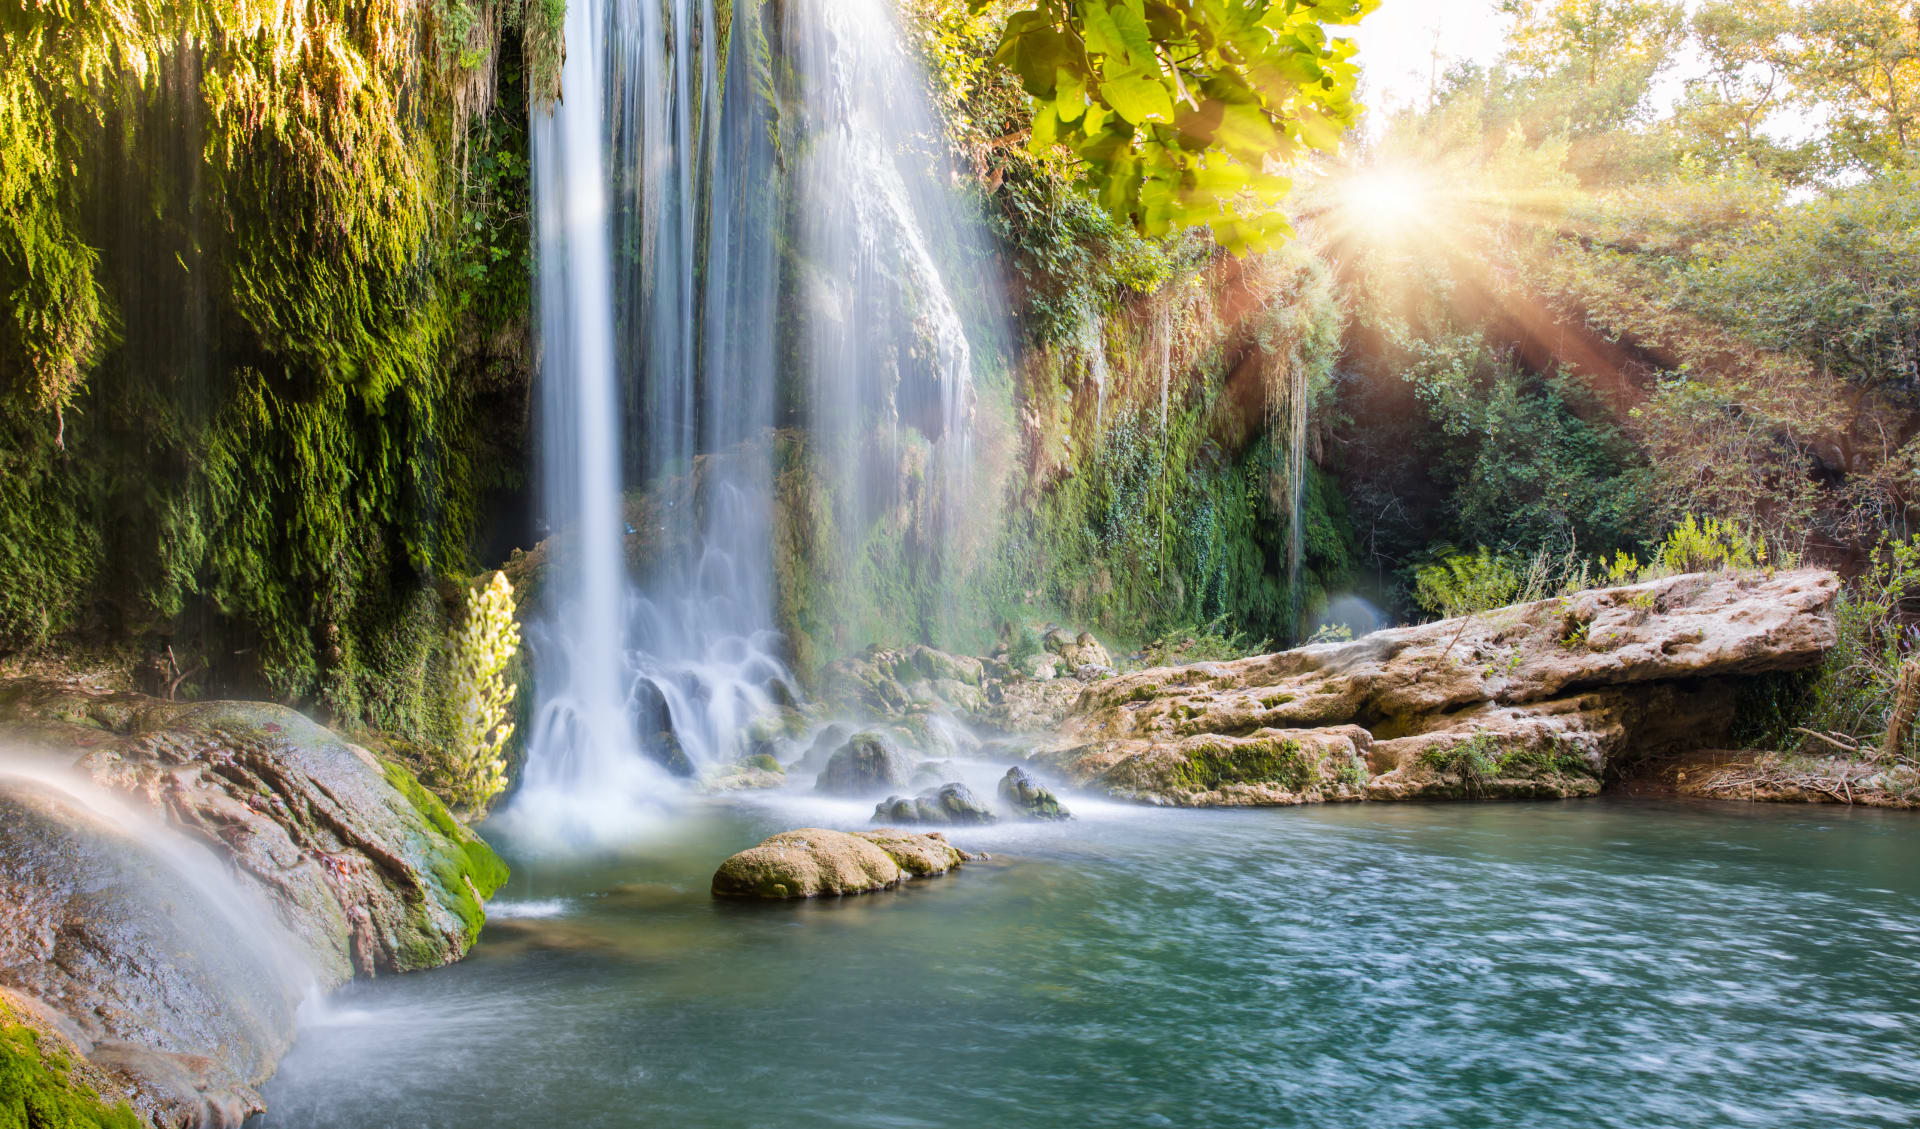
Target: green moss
{"points": [[1263, 761], [462, 865], [38, 1090], [314, 265], [1476, 763], [764, 762], [1351, 772]]}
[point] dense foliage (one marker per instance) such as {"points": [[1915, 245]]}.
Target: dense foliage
{"points": [[1182, 113], [1610, 313], [263, 266]]}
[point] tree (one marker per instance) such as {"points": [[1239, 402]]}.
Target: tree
{"points": [[1859, 61], [1179, 113], [1722, 117]]}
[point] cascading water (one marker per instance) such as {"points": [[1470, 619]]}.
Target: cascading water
{"points": [[694, 242], [582, 732], [889, 264]]}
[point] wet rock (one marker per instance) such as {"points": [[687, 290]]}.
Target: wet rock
{"points": [[931, 774], [1029, 798], [368, 870], [1042, 667], [815, 862], [373, 870], [949, 804], [1077, 651], [869, 762], [825, 743], [185, 1000], [1531, 700]]}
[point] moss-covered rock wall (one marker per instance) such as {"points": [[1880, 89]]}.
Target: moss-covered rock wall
{"points": [[264, 352]]}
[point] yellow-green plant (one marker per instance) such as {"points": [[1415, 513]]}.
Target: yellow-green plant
{"points": [[1181, 115], [1465, 583], [483, 647], [1711, 545]]}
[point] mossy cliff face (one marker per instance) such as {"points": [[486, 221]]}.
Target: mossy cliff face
{"points": [[1138, 481], [264, 352]]}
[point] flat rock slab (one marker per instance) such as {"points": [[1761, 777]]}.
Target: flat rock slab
{"points": [[1531, 700], [815, 862]]}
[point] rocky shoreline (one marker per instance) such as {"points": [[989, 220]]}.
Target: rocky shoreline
{"points": [[363, 872], [1540, 700]]}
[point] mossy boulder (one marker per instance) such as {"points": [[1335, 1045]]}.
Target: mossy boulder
{"points": [[1030, 799], [815, 862], [868, 763], [356, 869], [183, 989], [950, 804], [375, 871]]}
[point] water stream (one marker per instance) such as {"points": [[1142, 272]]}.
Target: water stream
{"points": [[1601, 963]]}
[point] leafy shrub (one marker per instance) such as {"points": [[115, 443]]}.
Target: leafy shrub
{"points": [[1852, 690], [482, 649], [1465, 583], [1709, 546]]}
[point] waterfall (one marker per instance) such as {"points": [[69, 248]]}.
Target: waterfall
{"points": [[582, 731], [1286, 402], [891, 281], [697, 238]]}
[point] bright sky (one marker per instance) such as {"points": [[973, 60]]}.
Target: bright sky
{"points": [[1398, 41]]}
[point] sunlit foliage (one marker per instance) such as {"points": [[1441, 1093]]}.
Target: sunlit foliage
{"points": [[1179, 112], [482, 651]]}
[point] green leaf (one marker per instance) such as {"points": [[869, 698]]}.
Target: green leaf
{"points": [[1138, 98]]}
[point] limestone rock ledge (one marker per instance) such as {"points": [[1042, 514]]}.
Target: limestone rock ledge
{"points": [[1534, 700]]}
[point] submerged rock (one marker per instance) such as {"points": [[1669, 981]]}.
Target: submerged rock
{"points": [[1533, 700], [759, 771], [815, 862], [1029, 798], [948, 804], [867, 763]]}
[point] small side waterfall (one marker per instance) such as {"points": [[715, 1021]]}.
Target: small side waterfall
{"points": [[892, 280], [1286, 396]]}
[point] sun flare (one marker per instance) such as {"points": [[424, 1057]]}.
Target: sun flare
{"points": [[1389, 201]]}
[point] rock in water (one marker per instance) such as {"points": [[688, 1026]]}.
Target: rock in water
{"points": [[948, 804], [1029, 798], [866, 764], [813, 862]]}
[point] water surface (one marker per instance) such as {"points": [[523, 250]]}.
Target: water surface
{"points": [[1600, 963]]}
